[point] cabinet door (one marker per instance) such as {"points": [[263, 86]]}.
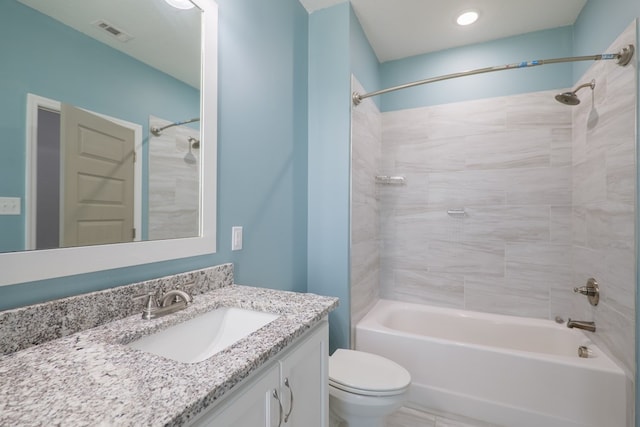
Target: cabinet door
{"points": [[304, 381], [254, 406]]}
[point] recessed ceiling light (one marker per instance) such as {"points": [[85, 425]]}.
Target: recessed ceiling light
{"points": [[180, 4], [467, 18]]}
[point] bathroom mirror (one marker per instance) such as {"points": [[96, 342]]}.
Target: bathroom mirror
{"points": [[38, 70]]}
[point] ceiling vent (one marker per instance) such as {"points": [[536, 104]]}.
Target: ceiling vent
{"points": [[112, 31]]}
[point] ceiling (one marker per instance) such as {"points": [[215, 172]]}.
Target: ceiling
{"points": [[169, 39], [401, 28], [162, 37]]}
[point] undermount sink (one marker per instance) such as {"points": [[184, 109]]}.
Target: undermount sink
{"points": [[199, 338]]}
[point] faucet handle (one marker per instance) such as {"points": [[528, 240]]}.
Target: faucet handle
{"points": [[149, 305], [584, 291], [591, 290]]}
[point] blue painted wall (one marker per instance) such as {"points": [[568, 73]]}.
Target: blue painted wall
{"points": [[331, 63], [46, 58], [364, 63], [598, 25], [546, 44], [262, 154], [262, 166], [329, 163]]}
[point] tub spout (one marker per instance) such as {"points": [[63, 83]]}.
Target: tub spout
{"points": [[580, 324]]}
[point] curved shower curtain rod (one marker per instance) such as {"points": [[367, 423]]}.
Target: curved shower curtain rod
{"points": [[157, 131], [623, 57]]}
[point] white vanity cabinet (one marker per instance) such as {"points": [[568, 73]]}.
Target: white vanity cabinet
{"points": [[304, 382], [253, 405], [291, 390]]}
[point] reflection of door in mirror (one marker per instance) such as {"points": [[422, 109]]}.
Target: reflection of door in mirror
{"points": [[97, 157], [83, 189]]}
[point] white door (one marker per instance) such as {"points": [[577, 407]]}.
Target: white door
{"points": [[97, 182]]}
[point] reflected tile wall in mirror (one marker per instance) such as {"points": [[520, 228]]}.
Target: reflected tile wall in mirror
{"points": [[174, 170]]}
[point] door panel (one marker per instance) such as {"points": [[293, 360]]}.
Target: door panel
{"points": [[304, 382], [252, 407]]}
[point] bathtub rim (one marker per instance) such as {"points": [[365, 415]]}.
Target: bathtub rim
{"points": [[600, 361], [435, 394]]}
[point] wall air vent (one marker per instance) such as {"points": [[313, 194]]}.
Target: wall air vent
{"points": [[112, 31]]}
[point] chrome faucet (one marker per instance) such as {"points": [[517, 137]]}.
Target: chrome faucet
{"points": [[580, 324], [174, 300]]}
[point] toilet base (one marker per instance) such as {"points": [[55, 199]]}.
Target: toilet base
{"points": [[354, 410], [336, 421]]}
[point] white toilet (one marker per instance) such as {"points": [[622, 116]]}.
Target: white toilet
{"points": [[364, 388]]}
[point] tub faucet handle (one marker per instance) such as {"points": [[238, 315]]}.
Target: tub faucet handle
{"points": [[591, 291], [584, 291]]}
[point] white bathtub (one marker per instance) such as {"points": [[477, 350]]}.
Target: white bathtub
{"points": [[508, 371]]}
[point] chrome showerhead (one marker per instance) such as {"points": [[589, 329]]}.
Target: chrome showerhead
{"points": [[568, 98], [571, 98]]}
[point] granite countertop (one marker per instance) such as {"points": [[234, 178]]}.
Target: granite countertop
{"points": [[91, 378]]}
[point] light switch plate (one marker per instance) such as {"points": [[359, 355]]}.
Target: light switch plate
{"points": [[236, 238], [9, 205]]}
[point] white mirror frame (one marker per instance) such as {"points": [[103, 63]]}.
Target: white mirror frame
{"points": [[28, 266]]}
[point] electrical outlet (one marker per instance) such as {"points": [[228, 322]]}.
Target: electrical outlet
{"points": [[9, 205]]}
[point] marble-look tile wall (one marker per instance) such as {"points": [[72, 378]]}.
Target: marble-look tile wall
{"points": [[506, 162], [366, 137], [604, 197], [174, 202], [548, 193]]}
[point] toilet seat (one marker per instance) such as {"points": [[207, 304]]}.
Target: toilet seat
{"points": [[367, 374]]}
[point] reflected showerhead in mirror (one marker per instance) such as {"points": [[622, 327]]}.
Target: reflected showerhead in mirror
{"points": [[189, 157], [571, 98]]}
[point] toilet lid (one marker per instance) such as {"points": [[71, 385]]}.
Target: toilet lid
{"points": [[367, 374]]}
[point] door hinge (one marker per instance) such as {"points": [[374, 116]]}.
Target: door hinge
{"points": [[135, 157], [133, 233]]}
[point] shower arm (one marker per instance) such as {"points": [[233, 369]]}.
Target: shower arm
{"points": [[591, 84], [157, 131], [623, 57]]}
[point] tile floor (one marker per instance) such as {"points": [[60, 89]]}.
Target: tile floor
{"points": [[407, 417]]}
